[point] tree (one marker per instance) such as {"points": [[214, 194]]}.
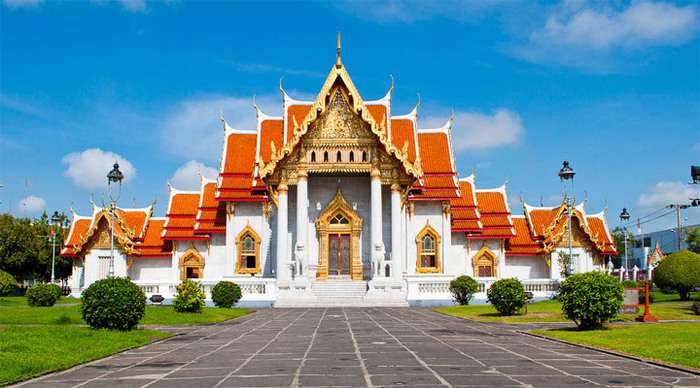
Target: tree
{"points": [[25, 248], [679, 271], [618, 235], [692, 238], [564, 260]]}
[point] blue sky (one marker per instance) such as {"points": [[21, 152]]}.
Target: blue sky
{"points": [[613, 87]]}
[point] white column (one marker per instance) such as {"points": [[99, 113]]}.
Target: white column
{"points": [[396, 256], [302, 224], [283, 271], [376, 221]]}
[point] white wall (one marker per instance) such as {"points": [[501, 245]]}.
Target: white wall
{"points": [[526, 267], [248, 214], [456, 262], [92, 270], [495, 245], [152, 270], [423, 213]]}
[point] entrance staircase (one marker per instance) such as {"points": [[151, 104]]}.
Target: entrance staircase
{"points": [[341, 292]]}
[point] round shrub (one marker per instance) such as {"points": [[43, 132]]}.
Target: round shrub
{"points": [[225, 294], [8, 284], [463, 288], [41, 294], [113, 303], [189, 298], [590, 299], [680, 271], [56, 289], [507, 296]]}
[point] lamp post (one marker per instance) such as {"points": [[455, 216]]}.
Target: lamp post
{"points": [[567, 173], [115, 176], [624, 217], [55, 220]]}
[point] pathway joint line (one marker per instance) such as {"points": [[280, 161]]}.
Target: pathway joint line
{"points": [[358, 354]]}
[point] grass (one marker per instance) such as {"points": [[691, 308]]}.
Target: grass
{"points": [[28, 351], [15, 311], [38, 340], [676, 343], [667, 307]]}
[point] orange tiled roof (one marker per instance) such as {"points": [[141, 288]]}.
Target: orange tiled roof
{"points": [[297, 112], [522, 244], [236, 178], [494, 214], [211, 214], [600, 231], [465, 214], [402, 131], [78, 229], [153, 245], [378, 113], [271, 131], [181, 217], [434, 154]]}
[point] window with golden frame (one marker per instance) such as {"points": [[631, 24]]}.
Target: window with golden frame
{"points": [[428, 248], [248, 251]]}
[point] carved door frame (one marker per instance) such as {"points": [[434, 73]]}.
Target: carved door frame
{"points": [[324, 227]]}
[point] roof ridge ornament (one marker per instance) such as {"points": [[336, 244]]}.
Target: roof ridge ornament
{"points": [[338, 63]]}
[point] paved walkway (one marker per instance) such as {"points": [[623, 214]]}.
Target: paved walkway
{"points": [[357, 347]]}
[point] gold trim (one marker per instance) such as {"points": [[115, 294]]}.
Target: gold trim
{"points": [[485, 253], [191, 258], [428, 230], [319, 106], [323, 226], [256, 238]]}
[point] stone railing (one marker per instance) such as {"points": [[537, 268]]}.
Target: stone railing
{"points": [[436, 288], [252, 288]]}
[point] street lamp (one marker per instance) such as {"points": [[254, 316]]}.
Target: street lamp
{"points": [[567, 173], [624, 217], [55, 221], [115, 176]]}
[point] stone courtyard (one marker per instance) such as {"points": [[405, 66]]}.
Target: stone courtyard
{"points": [[355, 347]]}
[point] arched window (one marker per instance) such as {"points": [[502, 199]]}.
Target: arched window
{"points": [[485, 263], [428, 250], [248, 251], [338, 157], [352, 156], [325, 156], [313, 156], [364, 156]]}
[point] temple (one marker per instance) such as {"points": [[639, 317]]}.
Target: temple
{"points": [[337, 202]]}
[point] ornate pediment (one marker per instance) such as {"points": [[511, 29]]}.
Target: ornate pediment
{"points": [[338, 122]]}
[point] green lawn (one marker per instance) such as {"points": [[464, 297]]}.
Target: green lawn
{"points": [[676, 343], [28, 351], [668, 307], [38, 340], [15, 311]]}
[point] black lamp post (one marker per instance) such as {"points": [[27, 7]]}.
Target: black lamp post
{"points": [[115, 176], [55, 222], [567, 173], [624, 217]]}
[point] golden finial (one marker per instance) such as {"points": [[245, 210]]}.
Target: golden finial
{"points": [[338, 64]]}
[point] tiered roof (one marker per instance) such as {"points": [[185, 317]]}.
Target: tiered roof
{"points": [[136, 232], [249, 156], [547, 226]]}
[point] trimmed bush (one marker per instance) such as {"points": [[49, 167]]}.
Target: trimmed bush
{"points": [[507, 296], [56, 289], [463, 288], [680, 271], [190, 297], [8, 284], [590, 299], [225, 294], [41, 294], [113, 303]]}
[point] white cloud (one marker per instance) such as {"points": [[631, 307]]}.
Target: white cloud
{"points": [[478, 131], [89, 168], [410, 11], [32, 204], [665, 193], [187, 176], [22, 3], [133, 5], [193, 129], [580, 35]]}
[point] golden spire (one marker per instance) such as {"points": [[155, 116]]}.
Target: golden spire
{"points": [[338, 64]]}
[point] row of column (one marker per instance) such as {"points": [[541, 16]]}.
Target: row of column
{"points": [[285, 268]]}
